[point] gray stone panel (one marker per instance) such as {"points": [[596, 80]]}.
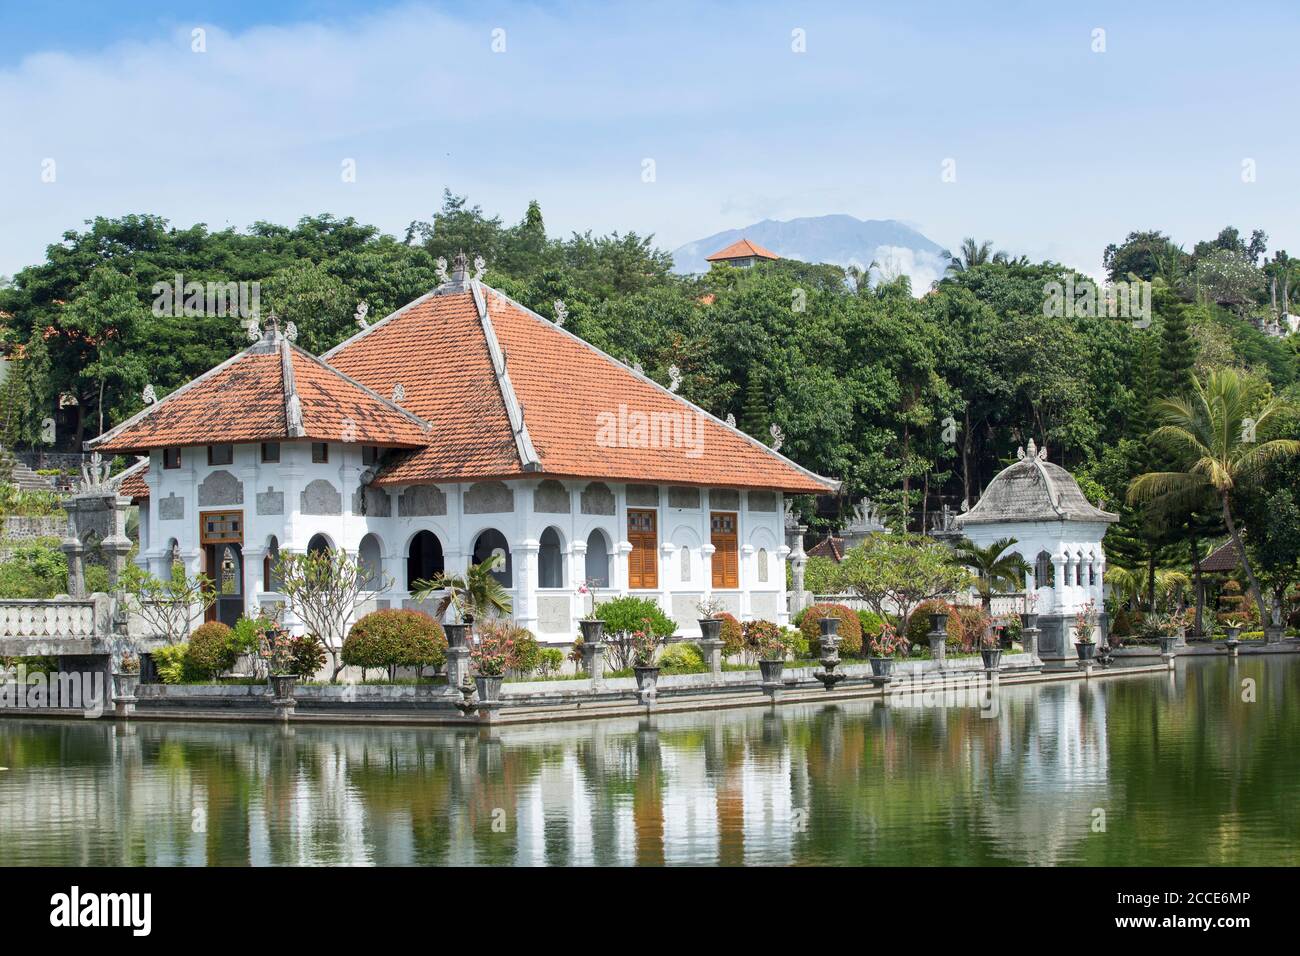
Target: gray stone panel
{"points": [[270, 502], [551, 498], [724, 499], [643, 496], [171, 508], [684, 498], [321, 498], [489, 498], [221, 488], [372, 502], [553, 614], [421, 500], [684, 611], [762, 501], [597, 499], [763, 604]]}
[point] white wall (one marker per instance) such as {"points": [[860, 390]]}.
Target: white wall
{"points": [[551, 613]]}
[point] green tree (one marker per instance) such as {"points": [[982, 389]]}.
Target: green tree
{"points": [[994, 566], [1211, 434]]}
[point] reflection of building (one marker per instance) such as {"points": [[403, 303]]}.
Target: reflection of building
{"points": [[1057, 531], [461, 426]]}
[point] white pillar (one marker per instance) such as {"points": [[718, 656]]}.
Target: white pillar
{"points": [[525, 568]]}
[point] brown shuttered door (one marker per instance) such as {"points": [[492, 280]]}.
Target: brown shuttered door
{"points": [[643, 561], [726, 560]]}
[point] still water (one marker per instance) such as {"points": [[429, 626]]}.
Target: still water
{"points": [[1143, 770]]}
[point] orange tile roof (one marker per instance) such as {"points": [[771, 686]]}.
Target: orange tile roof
{"points": [[741, 249], [244, 400], [131, 483], [580, 408]]}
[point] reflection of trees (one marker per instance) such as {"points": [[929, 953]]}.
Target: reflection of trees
{"points": [[1186, 772]]}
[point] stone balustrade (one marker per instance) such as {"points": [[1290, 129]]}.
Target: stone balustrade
{"points": [[60, 618]]}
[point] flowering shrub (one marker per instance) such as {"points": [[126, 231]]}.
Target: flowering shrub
{"points": [[850, 628], [888, 642], [494, 650], [764, 640], [644, 643], [1085, 620], [624, 617]]}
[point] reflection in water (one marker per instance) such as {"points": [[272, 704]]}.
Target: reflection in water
{"points": [[1183, 770]]}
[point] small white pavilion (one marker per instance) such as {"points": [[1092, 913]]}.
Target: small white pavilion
{"points": [[1057, 531]]}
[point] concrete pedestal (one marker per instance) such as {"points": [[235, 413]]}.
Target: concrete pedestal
{"points": [[457, 669], [712, 650], [593, 661]]}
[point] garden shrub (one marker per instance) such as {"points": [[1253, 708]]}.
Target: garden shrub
{"points": [[796, 642], [1122, 625], [682, 659], [169, 661], [38, 570], [395, 638], [850, 628], [918, 625], [759, 633], [871, 624], [210, 652], [625, 615], [307, 655], [733, 635], [972, 622], [528, 653], [550, 661]]}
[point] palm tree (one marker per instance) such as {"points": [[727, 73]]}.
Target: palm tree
{"points": [[1211, 434], [993, 566], [476, 593], [973, 254], [1126, 585]]}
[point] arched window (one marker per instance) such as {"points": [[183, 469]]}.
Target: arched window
{"points": [[1078, 569], [762, 565], [1044, 573], [319, 544], [686, 563], [271, 581], [597, 569], [550, 561], [1092, 571], [423, 559], [370, 563], [230, 573], [492, 542]]}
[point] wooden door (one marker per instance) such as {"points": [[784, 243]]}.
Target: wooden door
{"points": [[643, 561], [726, 557]]}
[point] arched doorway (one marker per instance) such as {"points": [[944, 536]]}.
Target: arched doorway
{"points": [[492, 542], [319, 544], [550, 560], [370, 563], [597, 567], [423, 559]]}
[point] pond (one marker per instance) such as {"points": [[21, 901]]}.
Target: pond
{"points": [[1161, 769]]}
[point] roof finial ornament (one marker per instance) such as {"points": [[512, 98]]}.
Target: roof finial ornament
{"points": [[778, 437], [636, 367], [561, 312], [674, 378], [363, 307], [399, 393], [458, 269], [291, 331], [274, 321], [149, 395], [440, 270], [480, 265], [731, 420], [254, 331], [1031, 452]]}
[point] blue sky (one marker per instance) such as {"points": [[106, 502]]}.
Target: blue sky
{"points": [[1058, 149]]}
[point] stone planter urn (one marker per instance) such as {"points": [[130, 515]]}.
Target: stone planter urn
{"points": [[882, 666], [457, 634], [939, 622], [647, 679], [992, 657], [1028, 620], [282, 686], [772, 671], [593, 630], [124, 685], [1086, 651], [1167, 643], [1273, 633], [488, 687], [710, 629]]}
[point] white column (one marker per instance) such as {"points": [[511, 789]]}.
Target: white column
{"points": [[706, 550], [252, 579], [746, 577], [525, 561], [777, 568], [618, 570], [1058, 589]]}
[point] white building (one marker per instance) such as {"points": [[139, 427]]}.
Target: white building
{"points": [[1058, 533], [461, 425]]}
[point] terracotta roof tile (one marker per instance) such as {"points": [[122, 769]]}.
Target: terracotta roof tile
{"points": [[132, 481], [741, 249], [243, 400]]}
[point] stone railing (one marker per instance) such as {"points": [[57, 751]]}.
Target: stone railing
{"points": [[68, 619]]}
